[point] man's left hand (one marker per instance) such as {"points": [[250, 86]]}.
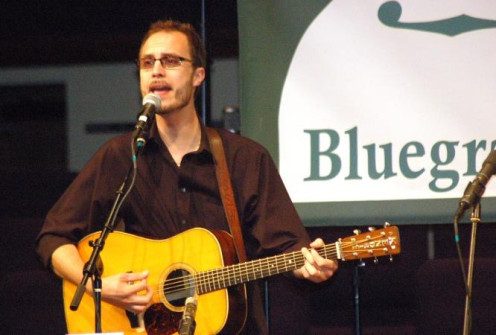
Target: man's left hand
{"points": [[316, 268]]}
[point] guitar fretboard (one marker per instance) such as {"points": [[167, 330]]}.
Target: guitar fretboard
{"points": [[217, 279]]}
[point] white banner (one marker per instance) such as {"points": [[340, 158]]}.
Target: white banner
{"points": [[390, 100]]}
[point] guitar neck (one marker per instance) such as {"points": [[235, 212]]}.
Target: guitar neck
{"points": [[375, 243], [221, 278]]}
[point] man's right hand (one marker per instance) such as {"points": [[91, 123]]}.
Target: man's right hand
{"points": [[129, 291]]}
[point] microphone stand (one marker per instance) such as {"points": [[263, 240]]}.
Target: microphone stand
{"points": [[475, 219], [94, 267], [97, 289], [356, 296]]}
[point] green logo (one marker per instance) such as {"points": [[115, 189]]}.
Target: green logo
{"points": [[390, 12]]}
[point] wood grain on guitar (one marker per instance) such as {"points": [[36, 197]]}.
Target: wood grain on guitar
{"points": [[203, 264]]}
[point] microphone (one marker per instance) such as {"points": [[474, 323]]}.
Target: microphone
{"points": [[476, 188], [187, 324], [151, 102]]}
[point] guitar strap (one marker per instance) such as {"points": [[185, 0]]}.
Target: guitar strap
{"points": [[226, 191]]}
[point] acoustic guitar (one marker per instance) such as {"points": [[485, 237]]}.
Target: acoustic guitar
{"points": [[199, 263]]}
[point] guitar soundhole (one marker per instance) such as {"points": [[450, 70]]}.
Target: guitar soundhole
{"points": [[178, 286]]}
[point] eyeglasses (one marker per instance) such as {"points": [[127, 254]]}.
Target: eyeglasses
{"points": [[167, 62]]}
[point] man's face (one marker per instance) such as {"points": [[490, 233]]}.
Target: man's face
{"points": [[175, 86]]}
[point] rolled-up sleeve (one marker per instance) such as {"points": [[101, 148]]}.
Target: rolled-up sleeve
{"points": [[80, 210]]}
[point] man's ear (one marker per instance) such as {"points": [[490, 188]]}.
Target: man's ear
{"points": [[198, 76]]}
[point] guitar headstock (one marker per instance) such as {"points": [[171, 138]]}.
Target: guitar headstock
{"points": [[374, 243]]}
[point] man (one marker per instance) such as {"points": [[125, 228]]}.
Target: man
{"points": [[176, 188]]}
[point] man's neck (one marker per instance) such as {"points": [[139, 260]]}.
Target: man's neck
{"points": [[180, 133]]}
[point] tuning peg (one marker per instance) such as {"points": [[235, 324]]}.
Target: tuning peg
{"points": [[386, 224], [390, 258], [357, 231], [376, 261], [371, 228]]}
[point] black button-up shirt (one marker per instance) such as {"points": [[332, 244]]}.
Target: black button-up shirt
{"points": [[168, 199]]}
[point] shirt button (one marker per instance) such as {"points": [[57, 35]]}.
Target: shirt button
{"points": [[183, 189], [183, 221]]}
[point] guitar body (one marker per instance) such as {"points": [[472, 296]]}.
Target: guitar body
{"points": [[196, 250]]}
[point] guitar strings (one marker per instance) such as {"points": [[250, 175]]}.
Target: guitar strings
{"points": [[233, 274], [179, 283], [210, 276]]}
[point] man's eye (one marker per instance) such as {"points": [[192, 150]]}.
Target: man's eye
{"points": [[148, 62], [170, 60]]}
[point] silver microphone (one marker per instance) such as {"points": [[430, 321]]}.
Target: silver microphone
{"points": [[151, 103], [187, 324]]}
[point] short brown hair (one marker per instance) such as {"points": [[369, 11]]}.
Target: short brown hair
{"points": [[197, 47]]}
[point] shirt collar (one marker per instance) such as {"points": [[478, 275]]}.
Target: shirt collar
{"points": [[154, 137]]}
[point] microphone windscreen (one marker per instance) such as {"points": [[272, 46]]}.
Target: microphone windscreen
{"points": [[152, 98]]}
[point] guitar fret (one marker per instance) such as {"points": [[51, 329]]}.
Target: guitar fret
{"points": [[223, 278], [261, 268], [229, 275], [234, 274], [215, 278], [238, 277], [220, 278], [253, 274], [285, 263], [199, 283], [247, 274], [295, 261], [206, 281], [255, 269], [249, 270], [227, 278], [244, 273], [215, 281], [210, 280]]}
